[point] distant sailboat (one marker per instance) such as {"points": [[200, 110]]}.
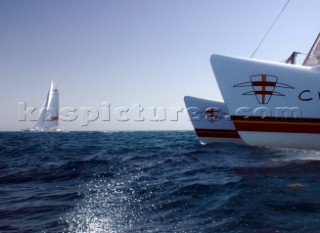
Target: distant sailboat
{"points": [[49, 114]]}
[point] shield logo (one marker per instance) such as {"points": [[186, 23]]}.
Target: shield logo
{"points": [[263, 87], [214, 114]]}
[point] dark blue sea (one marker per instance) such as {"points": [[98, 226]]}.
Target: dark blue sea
{"points": [[153, 182]]}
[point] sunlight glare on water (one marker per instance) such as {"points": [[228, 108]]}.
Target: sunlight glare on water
{"points": [[154, 182], [104, 208]]}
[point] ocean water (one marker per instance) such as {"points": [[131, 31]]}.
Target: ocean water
{"points": [[153, 182]]}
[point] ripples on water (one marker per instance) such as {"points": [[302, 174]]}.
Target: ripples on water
{"points": [[153, 182]]}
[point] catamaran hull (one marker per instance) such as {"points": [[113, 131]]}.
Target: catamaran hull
{"points": [[288, 140], [211, 121], [271, 104]]}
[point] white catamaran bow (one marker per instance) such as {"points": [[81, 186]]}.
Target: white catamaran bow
{"points": [[271, 104], [211, 120], [267, 103]]}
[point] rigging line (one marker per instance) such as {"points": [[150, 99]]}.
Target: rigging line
{"points": [[270, 29]]}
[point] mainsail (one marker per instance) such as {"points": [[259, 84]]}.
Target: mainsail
{"points": [[49, 114], [42, 115], [313, 57]]}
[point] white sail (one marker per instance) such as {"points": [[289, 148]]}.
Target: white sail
{"points": [[52, 116], [313, 57], [43, 113], [49, 115]]}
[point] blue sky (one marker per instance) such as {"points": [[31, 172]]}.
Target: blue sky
{"points": [[128, 52]]}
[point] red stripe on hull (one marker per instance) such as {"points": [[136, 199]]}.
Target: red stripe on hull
{"points": [[277, 125], [217, 133]]}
